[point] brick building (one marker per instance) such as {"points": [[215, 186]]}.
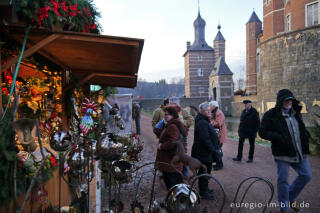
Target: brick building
{"points": [[288, 15], [200, 59], [253, 31], [287, 54]]}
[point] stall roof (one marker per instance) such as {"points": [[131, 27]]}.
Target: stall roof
{"points": [[91, 58]]}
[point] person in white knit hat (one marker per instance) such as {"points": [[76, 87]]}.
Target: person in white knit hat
{"points": [[218, 122]]}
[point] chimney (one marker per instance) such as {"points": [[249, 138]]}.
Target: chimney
{"points": [[188, 44]]}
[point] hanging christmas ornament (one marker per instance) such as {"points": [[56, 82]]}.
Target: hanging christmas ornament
{"points": [[76, 159], [109, 150], [86, 124], [122, 171], [155, 207], [182, 198], [117, 206], [26, 130], [88, 109], [60, 141], [136, 207]]}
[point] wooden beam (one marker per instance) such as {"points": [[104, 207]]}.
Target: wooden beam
{"points": [[31, 50], [99, 39], [114, 75], [50, 57], [87, 78], [92, 75], [82, 81]]}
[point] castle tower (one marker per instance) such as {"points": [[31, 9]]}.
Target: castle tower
{"points": [[221, 85], [254, 29], [219, 45], [199, 61]]}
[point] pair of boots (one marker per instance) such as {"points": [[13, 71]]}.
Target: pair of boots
{"points": [[218, 166], [239, 159]]}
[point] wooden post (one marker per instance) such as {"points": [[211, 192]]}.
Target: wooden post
{"points": [[65, 80], [1, 43]]}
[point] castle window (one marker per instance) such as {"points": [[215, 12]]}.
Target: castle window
{"points": [[200, 72], [312, 13], [200, 58], [201, 90], [258, 63], [288, 23], [268, 2], [286, 2]]}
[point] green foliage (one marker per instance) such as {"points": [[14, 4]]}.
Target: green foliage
{"points": [[7, 156], [8, 153], [316, 135]]}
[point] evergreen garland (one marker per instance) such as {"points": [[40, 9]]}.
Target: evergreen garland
{"points": [[72, 15]]}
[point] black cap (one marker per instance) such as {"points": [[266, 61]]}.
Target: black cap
{"points": [[289, 98], [246, 101], [166, 101]]}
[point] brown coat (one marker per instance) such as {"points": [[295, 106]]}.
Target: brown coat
{"points": [[219, 122], [168, 137]]}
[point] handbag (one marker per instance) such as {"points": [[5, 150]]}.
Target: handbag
{"points": [[218, 151]]}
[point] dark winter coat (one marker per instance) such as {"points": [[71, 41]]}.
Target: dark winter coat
{"points": [[274, 128], [136, 110], [205, 139], [170, 134], [249, 123]]}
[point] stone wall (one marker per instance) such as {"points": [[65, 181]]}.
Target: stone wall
{"points": [[292, 61]]}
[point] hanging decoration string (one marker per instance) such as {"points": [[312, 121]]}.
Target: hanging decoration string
{"points": [[17, 69]]}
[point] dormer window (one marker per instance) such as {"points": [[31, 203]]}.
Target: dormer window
{"points": [[200, 72]]}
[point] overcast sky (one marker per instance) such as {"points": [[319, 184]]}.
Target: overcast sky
{"points": [[166, 26]]}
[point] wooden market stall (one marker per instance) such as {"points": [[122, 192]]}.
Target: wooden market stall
{"points": [[90, 59]]}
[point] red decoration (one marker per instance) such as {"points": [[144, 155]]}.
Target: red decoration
{"points": [[63, 6], [5, 90], [55, 7], [74, 7], [71, 14], [94, 26], [88, 105], [42, 14], [34, 93], [53, 161], [88, 11]]}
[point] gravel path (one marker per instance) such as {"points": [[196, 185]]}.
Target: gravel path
{"points": [[230, 177]]}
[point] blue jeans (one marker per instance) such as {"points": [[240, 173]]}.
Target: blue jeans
{"points": [[137, 120], [290, 192]]}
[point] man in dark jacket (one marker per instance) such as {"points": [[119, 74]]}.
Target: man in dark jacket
{"points": [[248, 128], [205, 143], [283, 126], [136, 111]]}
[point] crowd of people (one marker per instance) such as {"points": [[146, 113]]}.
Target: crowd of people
{"points": [[282, 126]]}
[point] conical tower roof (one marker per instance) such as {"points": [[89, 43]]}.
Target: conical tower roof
{"points": [[219, 36], [199, 35], [221, 68], [254, 18]]}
